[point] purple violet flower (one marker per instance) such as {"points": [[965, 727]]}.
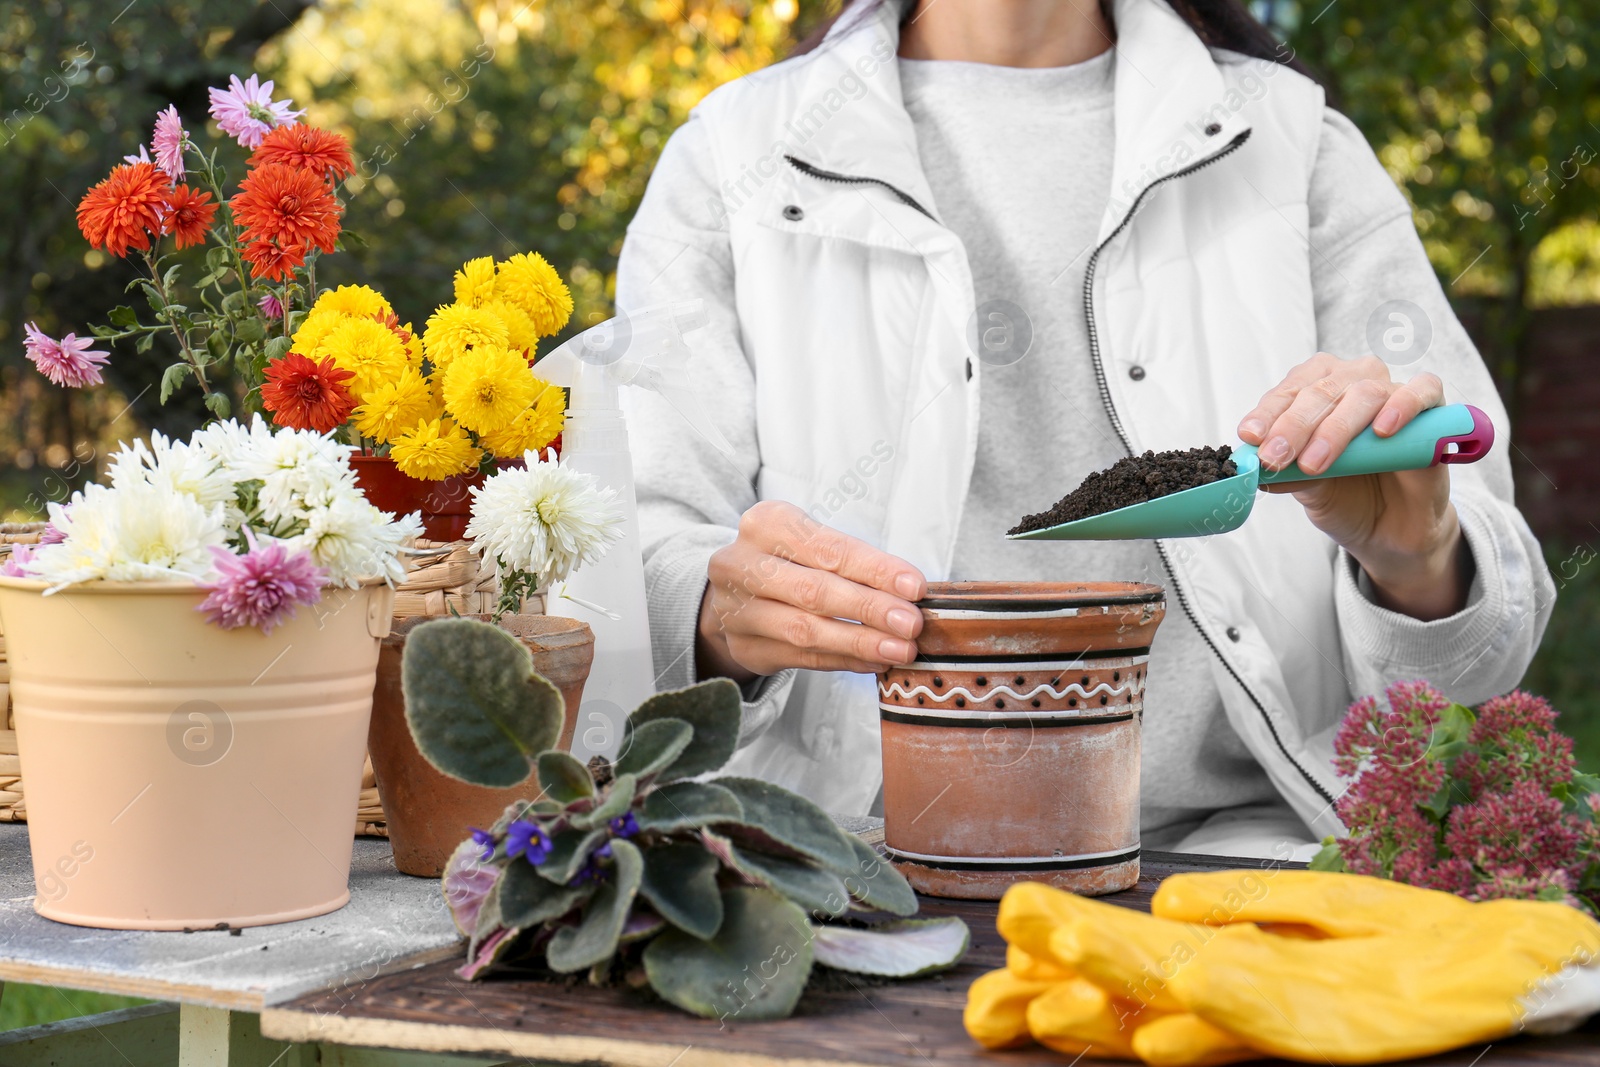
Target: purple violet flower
{"points": [[72, 361], [169, 141], [262, 588], [624, 825], [246, 111], [524, 838], [485, 839]]}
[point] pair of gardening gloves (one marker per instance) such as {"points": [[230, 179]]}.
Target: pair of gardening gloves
{"points": [[1306, 965]]}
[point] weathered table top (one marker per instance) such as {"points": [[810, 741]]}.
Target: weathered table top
{"points": [[899, 1024], [392, 921]]}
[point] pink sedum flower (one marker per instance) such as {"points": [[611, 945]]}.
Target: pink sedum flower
{"points": [[169, 140], [16, 562], [262, 588], [71, 361], [246, 111]]}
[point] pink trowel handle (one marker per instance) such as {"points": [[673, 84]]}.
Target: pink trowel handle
{"points": [[1470, 446]]}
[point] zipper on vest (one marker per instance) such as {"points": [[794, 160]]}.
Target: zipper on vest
{"points": [[829, 176], [1122, 435]]}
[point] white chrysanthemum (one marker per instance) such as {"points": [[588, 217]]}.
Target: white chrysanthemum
{"points": [[181, 466], [356, 541], [545, 520], [138, 531], [299, 470]]}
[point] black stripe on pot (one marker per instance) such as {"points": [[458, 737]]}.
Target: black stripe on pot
{"points": [[1001, 605], [1002, 863], [1009, 722], [1043, 658]]}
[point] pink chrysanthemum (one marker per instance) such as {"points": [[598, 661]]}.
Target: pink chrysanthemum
{"points": [[51, 535], [168, 141], [71, 361], [142, 157], [262, 588], [16, 562], [246, 111], [270, 307]]}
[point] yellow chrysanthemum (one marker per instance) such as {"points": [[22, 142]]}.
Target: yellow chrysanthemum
{"points": [[456, 329], [360, 301], [486, 388], [534, 428], [521, 334], [533, 285], [475, 282], [433, 450], [394, 408], [368, 349], [308, 339]]}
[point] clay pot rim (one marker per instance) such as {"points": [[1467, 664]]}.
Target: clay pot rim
{"points": [[101, 585], [1036, 596], [576, 629]]}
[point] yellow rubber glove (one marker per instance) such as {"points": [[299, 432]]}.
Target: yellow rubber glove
{"points": [[1185, 1040], [1339, 905], [996, 1015]]}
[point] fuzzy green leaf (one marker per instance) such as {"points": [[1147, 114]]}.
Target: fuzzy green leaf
{"points": [[877, 884], [568, 850], [474, 704], [652, 746], [792, 820], [683, 805], [528, 900], [726, 976], [171, 378], [680, 881], [219, 405], [711, 708], [563, 778], [618, 800], [595, 938], [904, 949], [814, 889]]}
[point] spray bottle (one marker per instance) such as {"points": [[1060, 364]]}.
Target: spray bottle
{"points": [[644, 348]]}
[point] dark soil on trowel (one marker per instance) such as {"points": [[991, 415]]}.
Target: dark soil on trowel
{"points": [[1135, 480]]}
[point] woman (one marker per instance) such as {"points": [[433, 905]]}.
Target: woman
{"points": [[960, 255]]}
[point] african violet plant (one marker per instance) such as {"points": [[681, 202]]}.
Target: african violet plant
{"points": [[720, 894]]}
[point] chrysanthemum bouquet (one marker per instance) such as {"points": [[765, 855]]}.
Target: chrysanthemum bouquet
{"points": [[457, 398], [1485, 804], [539, 523], [262, 521], [264, 243]]}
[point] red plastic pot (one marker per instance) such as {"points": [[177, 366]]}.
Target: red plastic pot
{"points": [[446, 505]]}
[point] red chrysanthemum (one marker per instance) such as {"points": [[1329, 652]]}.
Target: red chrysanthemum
{"points": [[189, 213], [291, 207], [125, 209], [269, 261], [323, 153], [303, 395]]}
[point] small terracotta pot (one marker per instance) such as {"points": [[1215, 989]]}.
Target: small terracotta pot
{"points": [[446, 505], [1011, 745], [428, 812]]}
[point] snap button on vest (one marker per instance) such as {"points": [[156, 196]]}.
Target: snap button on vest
{"points": [[1213, 129], [793, 213], [1136, 372], [1233, 634]]}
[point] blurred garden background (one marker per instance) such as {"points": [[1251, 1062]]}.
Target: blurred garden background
{"points": [[495, 126]]}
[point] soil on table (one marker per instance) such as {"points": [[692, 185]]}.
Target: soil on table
{"points": [[1134, 480]]}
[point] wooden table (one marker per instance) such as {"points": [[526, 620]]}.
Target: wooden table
{"points": [[374, 986]]}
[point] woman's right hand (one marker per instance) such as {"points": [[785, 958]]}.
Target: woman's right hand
{"points": [[791, 592]]}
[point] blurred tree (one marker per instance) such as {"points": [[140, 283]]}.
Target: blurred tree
{"points": [[1487, 114]]}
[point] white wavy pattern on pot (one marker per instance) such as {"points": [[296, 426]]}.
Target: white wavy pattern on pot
{"points": [[1134, 686]]}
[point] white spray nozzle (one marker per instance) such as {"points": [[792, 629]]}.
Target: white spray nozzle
{"points": [[645, 347]]}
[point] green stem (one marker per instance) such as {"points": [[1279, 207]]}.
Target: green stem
{"points": [[182, 335]]}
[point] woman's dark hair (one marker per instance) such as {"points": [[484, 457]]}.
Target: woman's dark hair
{"points": [[1219, 23]]}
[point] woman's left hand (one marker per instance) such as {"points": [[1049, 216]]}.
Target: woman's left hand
{"points": [[1401, 527]]}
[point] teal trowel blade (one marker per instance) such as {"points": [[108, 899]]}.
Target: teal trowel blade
{"points": [[1455, 433]]}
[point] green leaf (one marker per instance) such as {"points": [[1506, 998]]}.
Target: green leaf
{"points": [[144, 342], [568, 851], [217, 258], [814, 889], [1328, 857], [475, 705], [250, 330], [711, 708], [684, 805], [217, 344], [877, 884], [219, 405], [171, 378], [595, 938], [171, 276], [563, 778], [234, 302], [527, 900], [904, 949], [680, 881], [653, 746], [123, 317], [727, 976], [792, 820], [153, 296], [619, 798], [277, 346]]}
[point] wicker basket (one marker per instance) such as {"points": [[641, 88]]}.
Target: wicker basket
{"points": [[444, 577]]}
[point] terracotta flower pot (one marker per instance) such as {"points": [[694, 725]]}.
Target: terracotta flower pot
{"points": [[446, 505], [430, 813], [1011, 746], [181, 775]]}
